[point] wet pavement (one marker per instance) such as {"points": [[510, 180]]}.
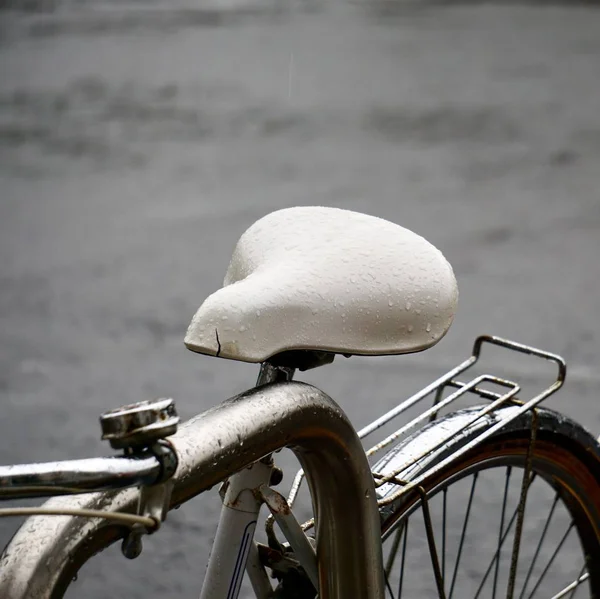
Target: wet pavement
{"points": [[138, 141]]}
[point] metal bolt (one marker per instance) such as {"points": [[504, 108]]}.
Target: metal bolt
{"points": [[132, 544]]}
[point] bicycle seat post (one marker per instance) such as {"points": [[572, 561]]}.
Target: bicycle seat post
{"points": [[270, 373]]}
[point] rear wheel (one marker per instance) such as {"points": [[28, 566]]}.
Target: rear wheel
{"points": [[512, 518]]}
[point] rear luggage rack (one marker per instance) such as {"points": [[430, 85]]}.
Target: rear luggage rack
{"points": [[445, 391]]}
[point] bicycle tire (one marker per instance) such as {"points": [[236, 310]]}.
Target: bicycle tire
{"points": [[563, 456]]}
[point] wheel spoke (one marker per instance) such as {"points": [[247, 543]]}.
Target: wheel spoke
{"points": [[445, 497], [537, 551], [506, 485], [552, 558], [401, 582], [464, 532], [504, 536], [387, 585], [572, 588], [575, 584], [525, 483], [394, 550], [439, 580]]}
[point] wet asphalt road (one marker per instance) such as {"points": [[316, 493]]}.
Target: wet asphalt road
{"points": [[138, 142]]}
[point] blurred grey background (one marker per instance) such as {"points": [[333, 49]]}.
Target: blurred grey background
{"points": [[138, 141]]}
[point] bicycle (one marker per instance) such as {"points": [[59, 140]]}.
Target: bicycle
{"points": [[304, 285]]}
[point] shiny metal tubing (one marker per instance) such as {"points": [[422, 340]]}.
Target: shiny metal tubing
{"points": [[470, 386], [451, 374], [528, 407], [77, 476], [417, 397], [213, 446]]}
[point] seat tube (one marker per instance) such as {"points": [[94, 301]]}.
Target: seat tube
{"points": [[241, 505], [235, 532]]}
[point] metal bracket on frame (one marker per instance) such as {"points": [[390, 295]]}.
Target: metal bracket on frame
{"points": [[303, 550], [154, 500]]}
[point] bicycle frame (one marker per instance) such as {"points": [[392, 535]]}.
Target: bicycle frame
{"points": [[214, 446]]}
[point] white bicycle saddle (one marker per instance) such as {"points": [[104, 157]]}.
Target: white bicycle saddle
{"points": [[313, 278]]}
